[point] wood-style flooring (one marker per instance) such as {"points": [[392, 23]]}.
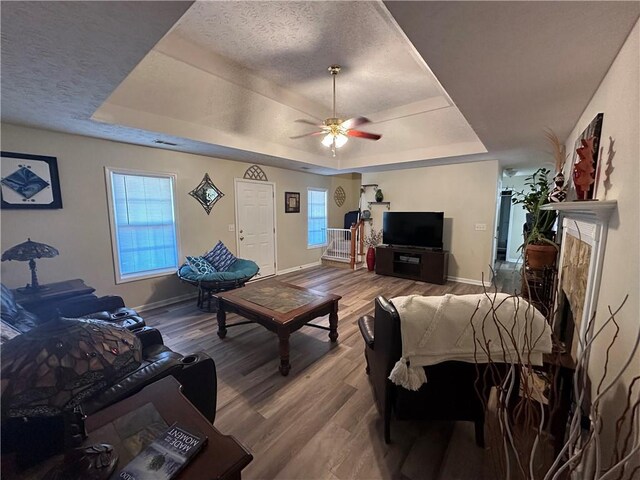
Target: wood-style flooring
{"points": [[320, 422]]}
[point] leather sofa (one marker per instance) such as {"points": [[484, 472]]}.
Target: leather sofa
{"points": [[195, 372], [109, 308], [450, 393]]}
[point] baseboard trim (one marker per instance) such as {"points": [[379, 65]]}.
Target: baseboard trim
{"points": [[189, 296], [469, 281], [299, 267], [165, 302]]}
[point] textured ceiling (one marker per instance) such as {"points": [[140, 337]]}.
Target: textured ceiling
{"points": [[61, 60], [239, 74], [292, 43], [512, 68]]}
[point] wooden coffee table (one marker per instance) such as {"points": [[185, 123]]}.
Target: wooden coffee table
{"points": [[280, 308]]}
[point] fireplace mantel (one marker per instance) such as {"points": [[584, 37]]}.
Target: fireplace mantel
{"points": [[594, 210], [587, 221]]}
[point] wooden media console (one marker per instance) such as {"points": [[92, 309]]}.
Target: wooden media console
{"points": [[420, 264]]}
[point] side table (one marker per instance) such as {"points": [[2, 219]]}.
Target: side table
{"points": [[223, 457], [43, 303]]}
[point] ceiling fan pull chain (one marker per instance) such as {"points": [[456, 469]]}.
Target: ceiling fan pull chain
{"points": [[334, 96]]}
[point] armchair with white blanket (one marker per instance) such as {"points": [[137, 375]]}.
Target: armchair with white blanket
{"points": [[427, 356]]}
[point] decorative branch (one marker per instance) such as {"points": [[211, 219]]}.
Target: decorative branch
{"points": [[522, 417]]}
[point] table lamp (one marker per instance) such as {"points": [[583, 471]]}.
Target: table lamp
{"points": [[46, 373], [29, 251]]}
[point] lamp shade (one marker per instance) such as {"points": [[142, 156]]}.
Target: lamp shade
{"points": [[54, 367], [29, 250]]}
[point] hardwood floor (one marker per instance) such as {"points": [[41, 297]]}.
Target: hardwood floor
{"points": [[320, 422]]}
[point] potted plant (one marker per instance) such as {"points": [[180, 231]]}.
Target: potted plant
{"points": [[371, 241], [539, 248]]}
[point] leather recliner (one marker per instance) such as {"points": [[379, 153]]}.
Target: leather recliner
{"points": [[109, 308], [195, 372], [450, 393]]}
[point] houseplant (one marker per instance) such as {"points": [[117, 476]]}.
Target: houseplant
{"points": [[371, 241], [539, 248]]}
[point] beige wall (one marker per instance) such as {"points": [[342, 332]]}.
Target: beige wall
{"points": [[467, 195], [80, 231], [350, 183], [618, 98]]}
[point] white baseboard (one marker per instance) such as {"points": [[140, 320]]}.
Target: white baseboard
{"points": [[470, 281], [299, 267], [189, 296], [165, 302]]}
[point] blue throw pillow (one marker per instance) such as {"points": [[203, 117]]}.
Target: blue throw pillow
{"points": [[220, 257], [200, 265]]}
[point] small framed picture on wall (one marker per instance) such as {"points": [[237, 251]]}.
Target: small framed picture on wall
{"points": [[291, 202], [29, 181]]}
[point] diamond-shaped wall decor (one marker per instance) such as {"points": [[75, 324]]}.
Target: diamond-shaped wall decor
{"points": [[206, 193]]}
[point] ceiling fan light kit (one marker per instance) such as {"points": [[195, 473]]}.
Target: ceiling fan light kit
{"points": [[335, 130]]}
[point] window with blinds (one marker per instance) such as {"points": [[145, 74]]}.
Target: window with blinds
{"points": [[143, 224], [316, 217]]}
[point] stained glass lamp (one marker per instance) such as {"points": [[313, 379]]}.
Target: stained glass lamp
{"points": [[28, 252], [55, 366], [49, 371]]}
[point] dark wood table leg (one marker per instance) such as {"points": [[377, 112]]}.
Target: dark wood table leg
{"points": [[285, 366], [222, 320], [333, 323]]}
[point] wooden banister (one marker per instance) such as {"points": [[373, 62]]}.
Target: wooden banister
{"points": [[352, 254]]}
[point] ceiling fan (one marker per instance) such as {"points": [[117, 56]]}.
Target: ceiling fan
{"points": [[335, 130]]}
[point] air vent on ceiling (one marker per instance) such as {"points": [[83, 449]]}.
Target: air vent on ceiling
{"points": [[163, 142]]}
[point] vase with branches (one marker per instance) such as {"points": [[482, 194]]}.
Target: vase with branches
{"points": [[522, 410], [372, 240], [559, 153]]}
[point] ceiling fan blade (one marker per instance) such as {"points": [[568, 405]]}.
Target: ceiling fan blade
{"points": [[308, 122], [367, 135], [312, 134], [354, 122]]}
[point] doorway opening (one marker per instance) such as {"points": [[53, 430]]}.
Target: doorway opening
{"points": [[504, 224]]}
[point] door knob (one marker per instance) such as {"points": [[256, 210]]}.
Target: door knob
{"points": [[241, 238], [240, 230]]}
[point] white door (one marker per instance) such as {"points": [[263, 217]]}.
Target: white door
{"points": [[255, 224]]}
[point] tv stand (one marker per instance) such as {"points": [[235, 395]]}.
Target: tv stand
{"points": [[413, 263]]}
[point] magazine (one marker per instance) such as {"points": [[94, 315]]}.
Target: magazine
{"points": [[165, 456]]}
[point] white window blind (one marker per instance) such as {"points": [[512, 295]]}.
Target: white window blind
{"points": [[143, 223], [316, 217]]}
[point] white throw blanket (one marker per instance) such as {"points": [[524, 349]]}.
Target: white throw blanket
{"points": [[438, 329]]}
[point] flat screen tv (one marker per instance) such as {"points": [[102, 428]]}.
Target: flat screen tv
{"points": [[416, 229]]}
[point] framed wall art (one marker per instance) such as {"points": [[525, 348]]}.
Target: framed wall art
{"points": [[586, 159], [29, 181], [291, 202]]}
